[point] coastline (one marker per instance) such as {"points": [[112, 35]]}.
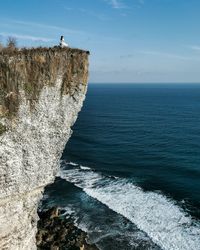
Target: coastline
{"points": [[57, 230]]}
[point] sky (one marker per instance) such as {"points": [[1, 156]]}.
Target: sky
{"points": [[136, 41]]}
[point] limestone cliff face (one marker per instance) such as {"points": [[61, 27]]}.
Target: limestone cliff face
{"points": [[41, 93]]}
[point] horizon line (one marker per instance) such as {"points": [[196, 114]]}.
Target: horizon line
{"points": [[143, 82]]}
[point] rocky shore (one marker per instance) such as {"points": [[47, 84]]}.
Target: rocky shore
{"points": [[57, 231]]}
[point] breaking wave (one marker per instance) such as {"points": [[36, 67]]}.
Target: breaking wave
{"points": [[164, 222], [84, 168]]}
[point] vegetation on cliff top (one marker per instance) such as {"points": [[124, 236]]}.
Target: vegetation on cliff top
{"points": [[29, 69]]}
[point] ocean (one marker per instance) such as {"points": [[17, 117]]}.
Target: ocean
{"points": [[130, 174]]}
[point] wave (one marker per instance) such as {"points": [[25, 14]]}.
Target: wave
{"points": [[163, 221], [72, 163], [84, 168]]}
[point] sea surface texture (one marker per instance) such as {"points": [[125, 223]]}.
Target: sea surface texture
{"points": [[130, 174]]}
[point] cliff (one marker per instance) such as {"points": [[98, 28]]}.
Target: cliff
{"points": [[41, 93]]}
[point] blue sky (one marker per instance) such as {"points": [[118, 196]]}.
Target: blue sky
{"points": [[129, 40]]}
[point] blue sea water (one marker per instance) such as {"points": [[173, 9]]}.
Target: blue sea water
{"points": [[130, 174]]}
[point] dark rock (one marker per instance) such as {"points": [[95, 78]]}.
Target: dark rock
{"points": [[56, 232]]}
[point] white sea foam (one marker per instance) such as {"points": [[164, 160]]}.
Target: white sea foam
{"points": [[76, 165], [84, 168], [164, 222], [69, 210], [72, 163]]}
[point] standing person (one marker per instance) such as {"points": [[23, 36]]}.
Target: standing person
{"points": [[62, 42]]}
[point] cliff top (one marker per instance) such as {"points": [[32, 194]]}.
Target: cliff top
{"points": [[15, 51], [26, 71]]}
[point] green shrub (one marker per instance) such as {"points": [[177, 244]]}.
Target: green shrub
{"points": [[11, 43], [2, 129]]}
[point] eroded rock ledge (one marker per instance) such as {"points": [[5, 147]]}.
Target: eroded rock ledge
{"points": [[41, 93], [57, 231]]}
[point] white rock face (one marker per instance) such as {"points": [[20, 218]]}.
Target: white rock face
{"points": [[29, 159]]}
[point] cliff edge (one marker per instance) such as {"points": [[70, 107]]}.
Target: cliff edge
{"points": [[41, 93]]}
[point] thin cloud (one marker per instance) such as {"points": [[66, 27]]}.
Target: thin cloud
{"points": [[68, 9], [45, 26], [27, 37], [158, 53], [120, 4], [169, 55], [116, 4], [195, 47], [128, 56], [141, 2], [91, 13]]}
